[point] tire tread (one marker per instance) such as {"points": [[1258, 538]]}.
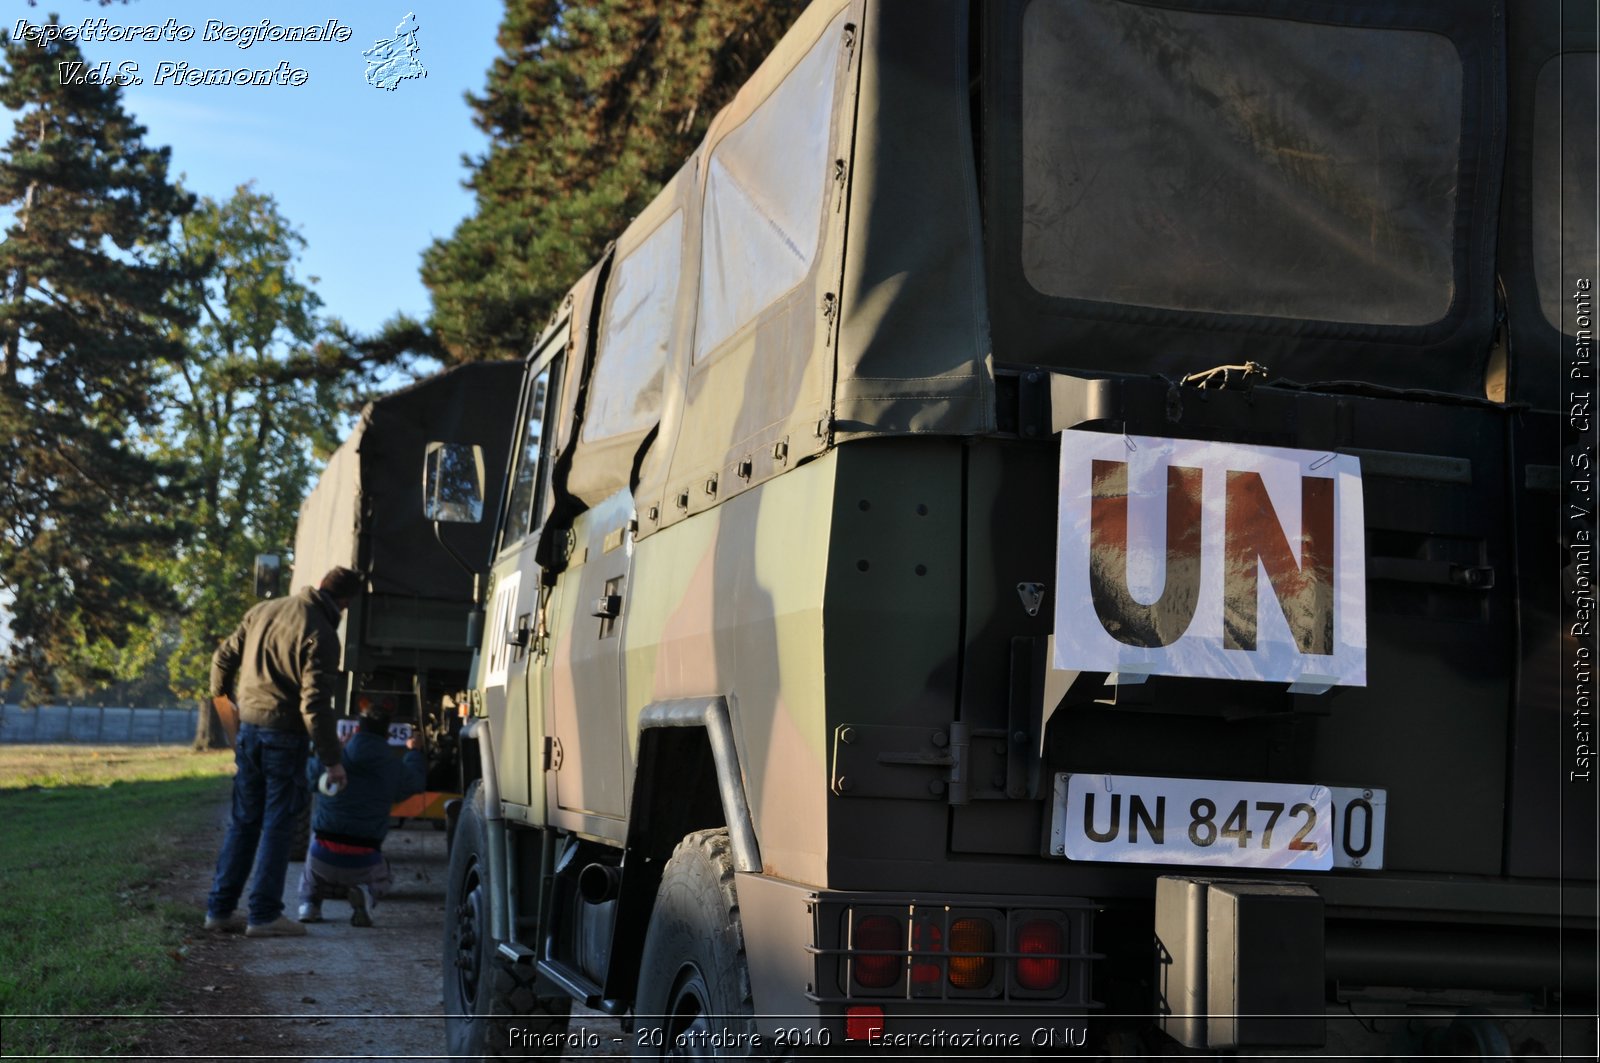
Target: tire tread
{"points": [[507, 993], [709, 929]]}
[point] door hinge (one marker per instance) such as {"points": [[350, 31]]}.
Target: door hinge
{"points": [[550, 758]]}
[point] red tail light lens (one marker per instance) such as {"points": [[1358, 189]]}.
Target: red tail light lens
{"points": [[1035, 971], [863, 1023], [877, 932], [927, 942]]}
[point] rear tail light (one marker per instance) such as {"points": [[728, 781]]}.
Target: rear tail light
{"points": [[872, 933], [862, 1023], [1039, 965], [942, 952], [927, 945], [971, 935]]}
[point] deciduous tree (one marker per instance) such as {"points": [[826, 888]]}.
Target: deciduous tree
{"points": [[252, 412]]}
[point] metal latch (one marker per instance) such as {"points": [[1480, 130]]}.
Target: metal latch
{"points": [[1440, 573], [608, 606], [877, 760]]}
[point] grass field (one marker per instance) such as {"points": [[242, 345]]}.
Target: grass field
{"points": [[86, 835], [23, 767]]}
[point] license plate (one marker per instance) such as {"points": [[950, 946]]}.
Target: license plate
{"points": [[1216, 823], [399, 733]]}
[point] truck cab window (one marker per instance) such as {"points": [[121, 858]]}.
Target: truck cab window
{"points": [[525, 471]]}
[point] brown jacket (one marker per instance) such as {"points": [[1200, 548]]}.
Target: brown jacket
{"points": [[283, 661]]}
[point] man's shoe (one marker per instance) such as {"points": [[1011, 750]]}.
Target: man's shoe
{"points": [[231, 923], [311, 912], [360, 906], [281, 927]]}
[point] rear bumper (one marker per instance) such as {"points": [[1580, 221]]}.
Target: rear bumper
{"points": [[1284, 950], [804, 960]]}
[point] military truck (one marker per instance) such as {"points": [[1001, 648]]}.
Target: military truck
{"points": [[1049, 523], [405, 638]]}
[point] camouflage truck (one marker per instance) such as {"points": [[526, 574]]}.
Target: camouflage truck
{"points": [[1052, 513], [405, 639]]}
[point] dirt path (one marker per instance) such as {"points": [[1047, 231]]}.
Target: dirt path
{"points": [[338, 992]]}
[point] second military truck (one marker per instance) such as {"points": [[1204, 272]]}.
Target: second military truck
{"points": [[405, 639]]}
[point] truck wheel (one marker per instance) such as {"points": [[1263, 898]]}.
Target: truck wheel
{"points": [[485, 998], [694, 988]]}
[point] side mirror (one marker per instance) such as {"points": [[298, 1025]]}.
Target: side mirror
{"points": [[269, 575], [452, 483]]}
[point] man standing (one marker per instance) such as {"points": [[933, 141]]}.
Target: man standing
{"points": [[283, 664]]}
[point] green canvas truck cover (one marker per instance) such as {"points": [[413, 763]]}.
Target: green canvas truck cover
{"points": [[366, 510]]}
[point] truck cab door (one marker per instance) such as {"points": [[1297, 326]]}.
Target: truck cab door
{"points": [[586, 696], [508, 672]]}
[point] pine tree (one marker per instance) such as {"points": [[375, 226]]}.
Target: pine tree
{"points": [[86, 325], [589, 108]]}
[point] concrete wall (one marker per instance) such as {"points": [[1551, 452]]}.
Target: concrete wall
{"points": [[92, 724]]}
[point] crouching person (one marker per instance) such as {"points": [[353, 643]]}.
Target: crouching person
{"points": [[345, 859]]}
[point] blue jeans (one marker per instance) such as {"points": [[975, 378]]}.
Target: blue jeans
{"points": [[269, 792]]}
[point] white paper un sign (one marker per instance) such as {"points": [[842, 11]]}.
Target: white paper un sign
{"points": [[1184, 557]]}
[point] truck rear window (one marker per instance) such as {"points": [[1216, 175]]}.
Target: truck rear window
{"points": [[1564, 180], [1231, 164]]}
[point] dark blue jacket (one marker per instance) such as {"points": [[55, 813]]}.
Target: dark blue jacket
{"points": [[376, 781]]}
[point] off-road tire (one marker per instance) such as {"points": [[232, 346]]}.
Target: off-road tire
{"points": [[693, 977], [486, 998]]}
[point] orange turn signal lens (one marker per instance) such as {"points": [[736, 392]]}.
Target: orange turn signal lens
{"points": [[971, 935]]}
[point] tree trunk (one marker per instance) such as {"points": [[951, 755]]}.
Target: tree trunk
{"points": [[208, 731]]}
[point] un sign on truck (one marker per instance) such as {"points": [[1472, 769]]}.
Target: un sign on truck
{"points": [[1195, 558]]}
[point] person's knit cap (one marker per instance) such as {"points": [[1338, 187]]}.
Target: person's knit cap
{"points": [[343, 583]]}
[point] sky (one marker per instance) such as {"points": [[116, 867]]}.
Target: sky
{"points": [[369, 176]]}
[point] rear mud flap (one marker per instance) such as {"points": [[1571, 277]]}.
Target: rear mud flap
{"points": [[1239, 963]]}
